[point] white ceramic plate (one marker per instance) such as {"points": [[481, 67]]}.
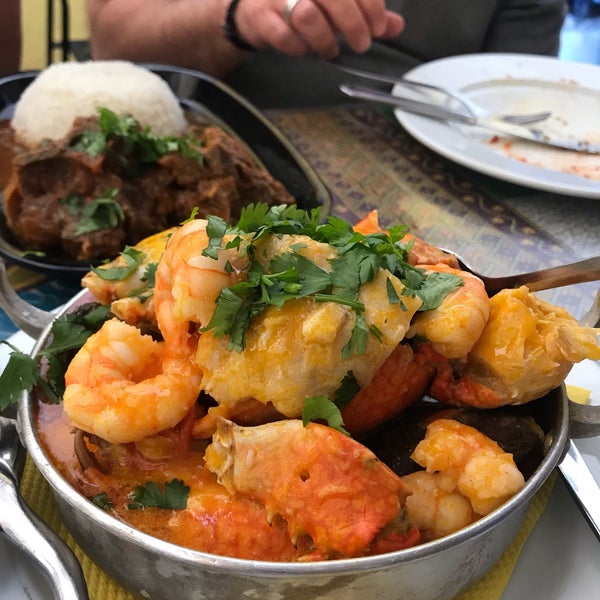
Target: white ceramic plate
{"points": [[516, 83], [569, 573]]}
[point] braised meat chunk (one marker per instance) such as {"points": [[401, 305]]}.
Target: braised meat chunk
{"points": [[109, 183]]}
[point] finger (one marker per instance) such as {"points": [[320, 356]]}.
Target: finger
{"points": [[344, 17], [374, 13], [313, 26], [272, 31], [394, 26]]}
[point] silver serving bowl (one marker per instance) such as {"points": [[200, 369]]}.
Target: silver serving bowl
{"points": [[437, 570]]}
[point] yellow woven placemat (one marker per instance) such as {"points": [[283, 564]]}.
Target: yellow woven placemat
{"points": [[38, 495]]}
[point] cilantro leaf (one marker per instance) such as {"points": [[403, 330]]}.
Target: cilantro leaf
{"points": [[132, 258], [20, 374], [438, 286], [103, 501], [102, 213], [68, 333], [291, 276], [90, 142], [358, 338], [174, 495], [133, 146], [346, 391], [321, 408]]}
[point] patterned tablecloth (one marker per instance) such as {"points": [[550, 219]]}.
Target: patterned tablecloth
{"points": [[368, 161]]}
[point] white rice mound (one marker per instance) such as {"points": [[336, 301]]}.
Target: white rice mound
{"points": [[64, 91]]}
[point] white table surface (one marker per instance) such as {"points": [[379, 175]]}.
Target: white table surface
{"points": [[560, 559]]}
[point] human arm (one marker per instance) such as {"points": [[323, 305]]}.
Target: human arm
{"points": [[189, 33], [10, 36], [186, 33]]}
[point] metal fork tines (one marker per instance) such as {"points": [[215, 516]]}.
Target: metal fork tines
{"points": [[526, 119], [443, 97], [436, 110]]}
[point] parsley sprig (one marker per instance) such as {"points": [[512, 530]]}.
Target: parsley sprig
{"points": [[100, 213], [174, 495], [292, 276], [122, 136], [68, 334], [322, 408]]}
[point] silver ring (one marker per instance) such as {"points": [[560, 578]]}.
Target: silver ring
{"points": [[288, 8]]}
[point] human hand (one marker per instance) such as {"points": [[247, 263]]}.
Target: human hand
{"points": [[299, 27]]}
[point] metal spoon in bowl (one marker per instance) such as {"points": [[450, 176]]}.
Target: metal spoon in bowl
{"points": [[581, 271]]}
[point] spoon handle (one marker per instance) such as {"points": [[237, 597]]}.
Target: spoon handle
{"points": [[581, 271], [577, 272]]}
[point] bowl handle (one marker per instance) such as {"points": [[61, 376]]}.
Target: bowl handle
{"points": [[30, 319], [584, 420]]}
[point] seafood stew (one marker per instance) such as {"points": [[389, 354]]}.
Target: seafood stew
{"points": [[321, 295]]}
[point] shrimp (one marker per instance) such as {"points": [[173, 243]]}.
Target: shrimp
{"points": [[526, 349], [130, 295], [124, 386], [188, 283], [454, 327], [420, 253], [467, 475], [325, 485]]}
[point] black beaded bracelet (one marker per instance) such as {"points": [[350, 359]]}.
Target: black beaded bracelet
{"points": [[230, 30]]}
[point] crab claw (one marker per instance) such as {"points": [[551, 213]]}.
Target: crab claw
{"points": [[328, 487]]}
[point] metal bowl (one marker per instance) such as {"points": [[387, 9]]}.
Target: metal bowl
{"points": [[151, 568]]}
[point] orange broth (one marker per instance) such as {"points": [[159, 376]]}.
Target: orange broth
{"points": [[214, 521]]}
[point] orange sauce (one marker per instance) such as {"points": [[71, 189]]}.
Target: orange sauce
{"points": [[214, 521]]}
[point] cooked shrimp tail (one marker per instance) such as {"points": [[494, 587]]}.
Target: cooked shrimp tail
{"points": [[122, 385], [453, 328]]}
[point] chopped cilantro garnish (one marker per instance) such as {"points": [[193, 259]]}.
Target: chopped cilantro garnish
{"points": [[102, 213], [346, 391], [174, 495], [321, 408], [439, 285], [20, 374], [291, 276], [67, 335], [131, 257], [103, 501], [132, 145]]}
